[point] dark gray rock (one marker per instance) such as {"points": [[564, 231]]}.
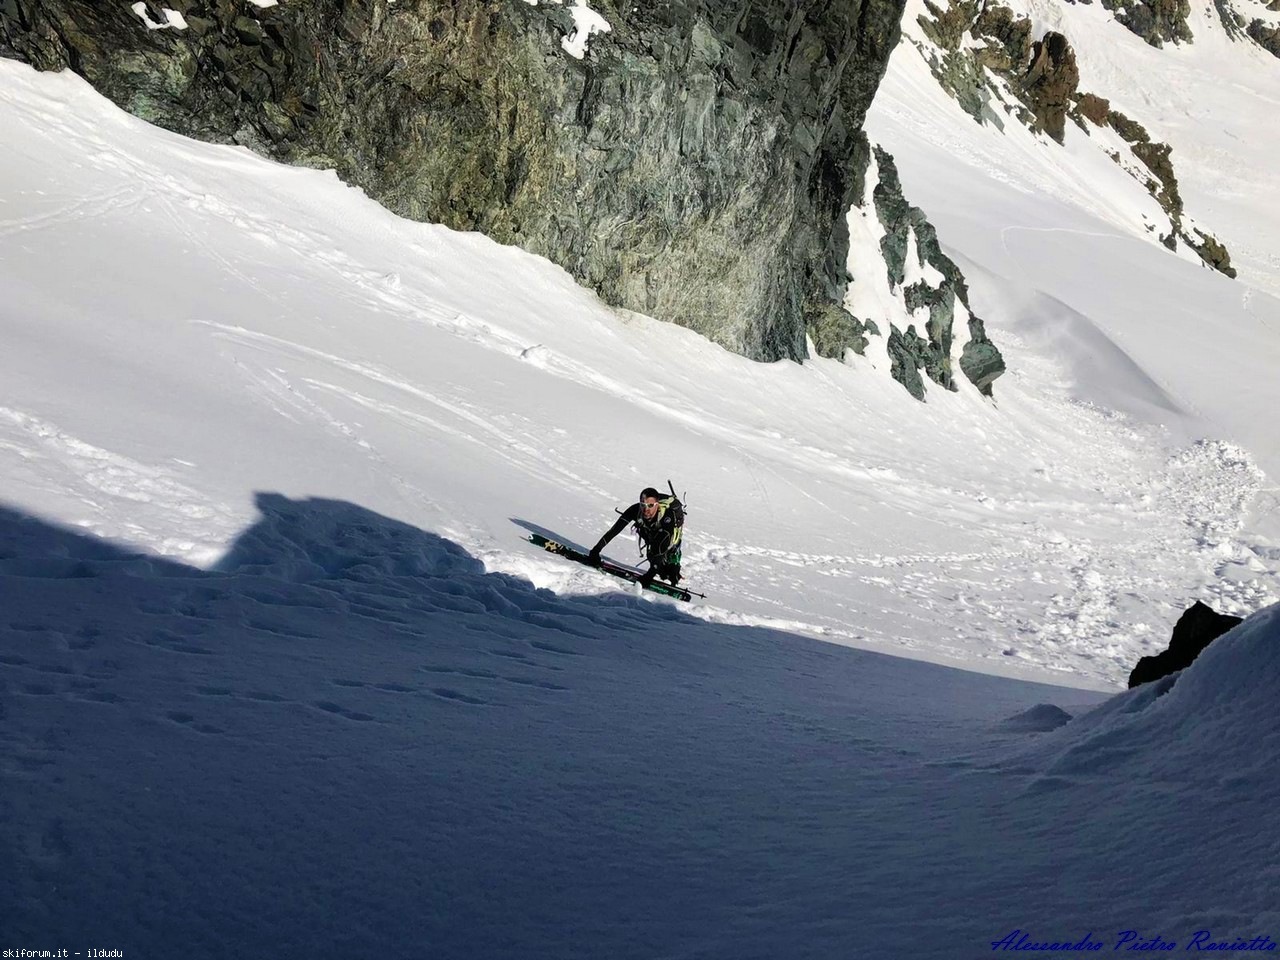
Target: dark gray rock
{"points": [[1156, 21], [695, 166], [1213, 253], [980, 361], [835, 330], [961, 69], [1009, 47], [1265, 36], [1050, 83], [1198, 627], [909, 352], [1232, 21], [1043, 73]]}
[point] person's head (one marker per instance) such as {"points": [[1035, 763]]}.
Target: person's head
{"points": [[648, 503]]}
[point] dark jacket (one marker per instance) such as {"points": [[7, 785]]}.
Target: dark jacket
{"points": [[661, 535]]}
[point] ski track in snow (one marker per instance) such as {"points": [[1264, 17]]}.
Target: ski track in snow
{"points": [[473, 427], [82, 208], [102, 480]]}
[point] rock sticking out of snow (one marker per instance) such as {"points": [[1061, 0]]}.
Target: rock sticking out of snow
{"points": [[1198, 627]]}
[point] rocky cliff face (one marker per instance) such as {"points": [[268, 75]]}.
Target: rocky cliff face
{"points": [[694, 165]]}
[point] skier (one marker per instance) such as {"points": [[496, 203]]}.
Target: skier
{"points": [[659, 520]]}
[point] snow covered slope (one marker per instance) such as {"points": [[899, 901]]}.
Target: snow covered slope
{"points": [[189, 325], [277, 675]]}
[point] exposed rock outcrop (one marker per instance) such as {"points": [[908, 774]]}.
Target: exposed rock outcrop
{"points": [[931, 288], [1042, 75], [1265, 36], [694, 166], [1198, 627], [1093, 108], [980, 360], [1213, 253], [1009, 38], [1156, 21], [960, 68], [1163, 186], [912, 286], [1050, 82]]}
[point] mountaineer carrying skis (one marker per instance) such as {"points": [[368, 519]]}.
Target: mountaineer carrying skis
{"points": [[659, 520]]}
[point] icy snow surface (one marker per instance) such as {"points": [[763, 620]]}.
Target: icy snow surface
{"points": [[278, 677]]}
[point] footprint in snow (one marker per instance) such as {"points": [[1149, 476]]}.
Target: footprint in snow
{"points": [[330, 707], [53, 847], [189, 721], [99, 696], [86, 638], [446, 694], [528, 682], [176, 644], [551, 648]]}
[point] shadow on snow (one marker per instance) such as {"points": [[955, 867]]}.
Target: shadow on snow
{"points": [[349, 739]]}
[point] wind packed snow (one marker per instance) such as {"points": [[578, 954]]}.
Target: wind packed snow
{"points": [[279, 677]]}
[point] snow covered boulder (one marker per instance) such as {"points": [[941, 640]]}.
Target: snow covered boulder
{"points": [[1198, 627]]}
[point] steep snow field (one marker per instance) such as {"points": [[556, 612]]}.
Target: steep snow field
{"points": [[277, 674], [187, 326]]}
